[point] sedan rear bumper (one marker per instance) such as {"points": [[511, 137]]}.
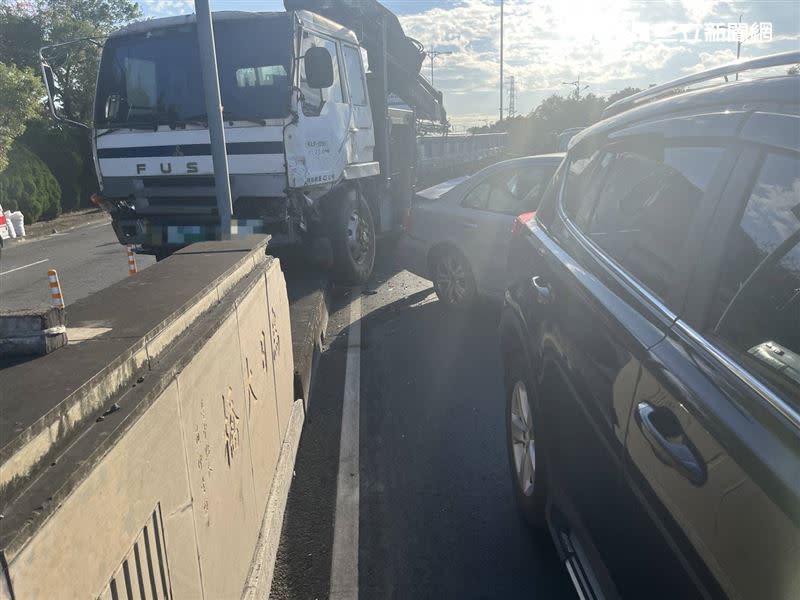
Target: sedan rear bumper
{"points": [[412, 255]]}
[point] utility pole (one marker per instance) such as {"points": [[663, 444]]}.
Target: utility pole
{"points": [[740, 40], [216, 127], [433, 55], [512, 98], [578, 87], [501, 61]]}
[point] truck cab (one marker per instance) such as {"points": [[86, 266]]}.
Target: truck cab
{"points": [[314, 148], [288, 143]]}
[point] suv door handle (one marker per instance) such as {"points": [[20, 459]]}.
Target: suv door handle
{"points": [[543, 293], [471, 225], [670, 444]]}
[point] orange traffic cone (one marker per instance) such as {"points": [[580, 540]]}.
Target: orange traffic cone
{"points": [[131, 261], [56, 297]]}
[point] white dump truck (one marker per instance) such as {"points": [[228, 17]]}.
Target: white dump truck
{"points": [[314, 149]]}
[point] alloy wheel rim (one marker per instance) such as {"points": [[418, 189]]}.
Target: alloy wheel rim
{"points": [[522, 441], [452, 279]]}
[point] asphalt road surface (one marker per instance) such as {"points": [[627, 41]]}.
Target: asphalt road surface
{"points": [[87, 258], [435, 513]]}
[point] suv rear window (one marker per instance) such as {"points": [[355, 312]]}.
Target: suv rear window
{"points": [[756, 308]]}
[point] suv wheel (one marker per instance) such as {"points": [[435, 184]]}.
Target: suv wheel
{"points": [[525, 451]]}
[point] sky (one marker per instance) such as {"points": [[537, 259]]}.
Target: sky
{"points": [[607, 44]]}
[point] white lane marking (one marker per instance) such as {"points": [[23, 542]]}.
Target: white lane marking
{"points": [[344, 562], [38, 262], [103, 224]]}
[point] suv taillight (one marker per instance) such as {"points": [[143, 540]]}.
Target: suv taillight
{"points": [[521, 222], [2, 218]]}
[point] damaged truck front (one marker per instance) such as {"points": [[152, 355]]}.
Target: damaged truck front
{"points": [[314, 150]]}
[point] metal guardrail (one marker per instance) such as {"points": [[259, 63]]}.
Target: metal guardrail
{"points": [[653, 93]]}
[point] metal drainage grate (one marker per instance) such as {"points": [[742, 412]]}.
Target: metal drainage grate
{"points": [[144, 572]]}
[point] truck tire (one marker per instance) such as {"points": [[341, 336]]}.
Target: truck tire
{"points": [[352, 238], [162, 253]]}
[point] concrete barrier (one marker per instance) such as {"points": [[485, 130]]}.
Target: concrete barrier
{"points": [[178, 488]]}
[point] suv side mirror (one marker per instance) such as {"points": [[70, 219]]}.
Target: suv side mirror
{"points": [[319, 68]]}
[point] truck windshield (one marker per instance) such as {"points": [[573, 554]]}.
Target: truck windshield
{"points": [[155, 77]]}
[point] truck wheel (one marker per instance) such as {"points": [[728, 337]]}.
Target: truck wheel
{"points": [[352, 238], [161, 254]]}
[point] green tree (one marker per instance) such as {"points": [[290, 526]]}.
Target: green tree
{"points": [[29, 186], [538, 131], [20, 100], [67, 153], [21, 35], [623, 93], [25, 27]]}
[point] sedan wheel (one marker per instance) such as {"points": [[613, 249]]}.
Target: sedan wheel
{"points": [[452, 279]]}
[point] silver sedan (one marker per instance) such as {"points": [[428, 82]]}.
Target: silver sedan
{"points": [[457, 232]]}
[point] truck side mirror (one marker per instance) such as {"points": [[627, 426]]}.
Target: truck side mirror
{"points": [[50, 85], [319, 68], [112, 107], [50, 80]]}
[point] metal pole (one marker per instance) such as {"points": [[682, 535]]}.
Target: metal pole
{"points": [[501, 61], [432, 57], [216, 127], [738, 44]]}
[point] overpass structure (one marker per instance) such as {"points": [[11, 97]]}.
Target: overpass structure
{"points": [[151, 457]]}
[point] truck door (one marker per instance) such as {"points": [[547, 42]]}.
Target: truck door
{"points": [[316, 147], [362, 136]]}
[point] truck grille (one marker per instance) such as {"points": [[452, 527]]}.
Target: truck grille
{"points": [[178, 181]]}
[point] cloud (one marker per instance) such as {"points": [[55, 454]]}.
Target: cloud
{"points": [[545, 43], [709, 60], [163, 8], [610, 45]]}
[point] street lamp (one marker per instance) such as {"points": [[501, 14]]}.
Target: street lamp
{"points": [[501, 61]]}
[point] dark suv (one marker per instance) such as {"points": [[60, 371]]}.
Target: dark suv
{"points": [[651, 345]]}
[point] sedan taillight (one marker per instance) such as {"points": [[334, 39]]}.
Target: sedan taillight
{"points": [[407, 220], [521, 222]]}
